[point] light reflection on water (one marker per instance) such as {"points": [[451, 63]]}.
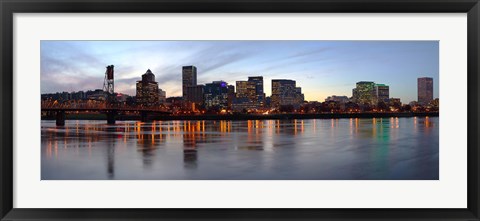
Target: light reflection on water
{"points": [[319, 149]]}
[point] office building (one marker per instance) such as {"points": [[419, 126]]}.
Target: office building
{"points": [[259, 95], [189, 78], [425, 90], [162, 96], [148, 93], [382, 92], [195, 94], [230, 95], [285, 92], [364, 93], [245, 89], [249, 95], [216, 95]]}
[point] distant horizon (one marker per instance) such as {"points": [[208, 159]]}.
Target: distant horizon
{"points": [[320, 68]]}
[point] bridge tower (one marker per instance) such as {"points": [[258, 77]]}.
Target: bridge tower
{"points": [[108, 86]]}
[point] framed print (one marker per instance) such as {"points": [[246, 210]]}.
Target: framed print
{"points": [[239, 110]]}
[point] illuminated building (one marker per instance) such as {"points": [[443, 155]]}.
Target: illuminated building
{"points": [[216, 95], [189, 78], [244, 89], [259, 95], [243, 104], [195, 94], [364, 93], [285, 92], [435, 102], [339, 99], [148, 92], [231, 95], [162, 96], [382, 92], [121, 98], [395, 103], [425, 90], [299, 97], [249, 94], [97, 95]]}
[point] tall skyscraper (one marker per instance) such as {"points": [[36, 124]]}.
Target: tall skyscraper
{"points": [[425, 90], [251, 91], [231, 95], [364, 93], [216, 95], [259, 93], [243, 89], [382, 92], [285, 92], [148, 92], [189, 78]]}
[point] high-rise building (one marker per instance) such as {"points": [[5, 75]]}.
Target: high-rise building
{"points": [[299, 97], [216, 95], [285, 92], [195, 94], [425, 90], [259, 96], [252, 90], [148, 92], [189, 78], [245, 96], [382, 92], [243, 89], [364, 93], [231, 95], [245, 99], [162, 96]]}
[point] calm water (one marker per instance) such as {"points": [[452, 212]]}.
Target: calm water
{"points": [[332, 149]]}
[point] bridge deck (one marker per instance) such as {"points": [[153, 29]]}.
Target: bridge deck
{"points": [[105, 109]]}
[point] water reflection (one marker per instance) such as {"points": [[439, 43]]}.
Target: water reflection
{"points": [[110, 158], [193, 133], [378, 148]]}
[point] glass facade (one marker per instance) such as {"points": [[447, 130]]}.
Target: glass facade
{"points": [[425, 90], [189, 78], [216, 95], [148, 93], [285, 92]]}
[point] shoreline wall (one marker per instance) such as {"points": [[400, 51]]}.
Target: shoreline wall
{"points": [[249, 116]]}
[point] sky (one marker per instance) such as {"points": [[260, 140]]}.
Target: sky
{"points": [[321, 68]]}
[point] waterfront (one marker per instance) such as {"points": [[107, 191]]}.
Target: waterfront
{"points": [[314, 149]]}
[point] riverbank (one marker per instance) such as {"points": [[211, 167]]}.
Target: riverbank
{"points": [[249, 116]]}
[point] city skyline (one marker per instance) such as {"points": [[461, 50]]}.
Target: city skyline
{"points": [[322, 68]]}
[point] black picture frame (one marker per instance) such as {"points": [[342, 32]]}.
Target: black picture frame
{"points": [[9, 7]]}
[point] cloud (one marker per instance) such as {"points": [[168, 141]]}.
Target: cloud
{"points": [[69, 83], [216, 56], [80, 65]]}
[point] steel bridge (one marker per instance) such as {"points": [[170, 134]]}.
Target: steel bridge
{"points": [[110, 112], [110, 106]]}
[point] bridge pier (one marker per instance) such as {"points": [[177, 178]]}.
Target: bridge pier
{"points": [[60, 118], [144, 116], [111, 117]]}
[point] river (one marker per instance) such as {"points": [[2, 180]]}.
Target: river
{"points": [[317, 149]]}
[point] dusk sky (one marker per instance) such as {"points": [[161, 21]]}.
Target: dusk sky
{"points": [[321, 68]]}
